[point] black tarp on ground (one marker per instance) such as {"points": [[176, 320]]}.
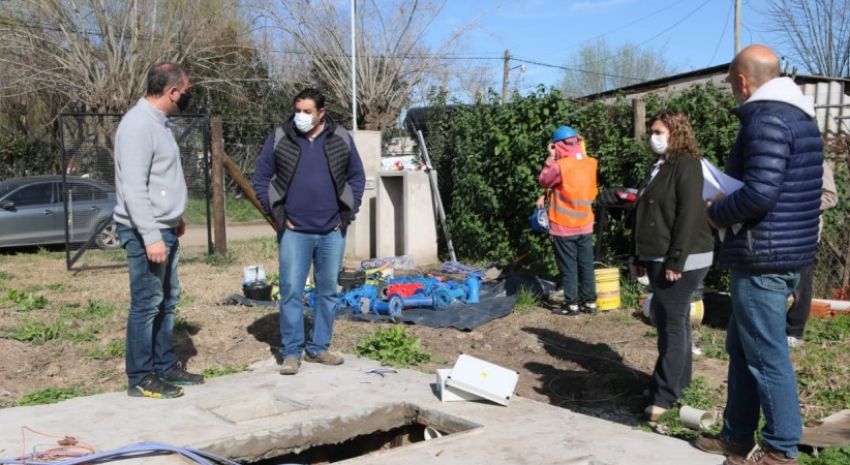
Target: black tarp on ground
{"points": [[496, 300]]}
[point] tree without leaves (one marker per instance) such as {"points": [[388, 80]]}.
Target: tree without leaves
{"points": [[391, 57], [96, 53], [816, 31], [598, 68]]}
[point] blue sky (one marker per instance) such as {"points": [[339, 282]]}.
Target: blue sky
{"points": [[692, 34]]}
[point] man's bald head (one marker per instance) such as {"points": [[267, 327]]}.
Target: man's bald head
{"points": [[752, 68]]}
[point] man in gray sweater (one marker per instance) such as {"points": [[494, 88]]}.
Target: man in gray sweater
{"points": [[151, 200]]}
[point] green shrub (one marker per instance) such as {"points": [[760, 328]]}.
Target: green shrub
{"points": [[393, 347]]}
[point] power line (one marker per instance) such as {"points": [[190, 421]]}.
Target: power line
{"points": [[722, 34], [677, 23], [578, 70], [665, 8]]}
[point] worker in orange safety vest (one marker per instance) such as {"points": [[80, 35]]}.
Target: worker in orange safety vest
{"points": [[569, 176]]}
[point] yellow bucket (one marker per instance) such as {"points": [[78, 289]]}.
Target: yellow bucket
{"points": [[607, 288], [697, 310]]}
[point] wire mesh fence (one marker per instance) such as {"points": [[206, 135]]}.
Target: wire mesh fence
{"points": [[85, 192]]}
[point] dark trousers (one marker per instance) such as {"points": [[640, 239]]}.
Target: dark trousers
{"points": [[671, 306], [798, 314], [574, 256]]}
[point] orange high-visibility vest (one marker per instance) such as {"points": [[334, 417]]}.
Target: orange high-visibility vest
{"points": [[571, 203]]}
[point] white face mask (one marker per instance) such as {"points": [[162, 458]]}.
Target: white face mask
{"points": [[658, 143], [304, 122]]}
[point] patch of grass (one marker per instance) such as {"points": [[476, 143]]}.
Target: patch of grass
{"points": [[56, 286], [5, 276], [651, 333], [35, 332], [238, 210], [713, 344], [526, 300], [114, 349], [630, 291], [96, 310], [261, 248], [26, 301], [31, 288], [217, 259], [834, 329], [393, 347], [831, 456], [625, 319], [118, 256], [50, 396], [227, 370], [698, 395]]}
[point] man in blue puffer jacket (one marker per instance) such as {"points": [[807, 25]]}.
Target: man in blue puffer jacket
{"points": [[778, 155]]}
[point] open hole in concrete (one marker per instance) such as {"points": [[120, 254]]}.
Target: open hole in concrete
{"points": [[341, 438]]}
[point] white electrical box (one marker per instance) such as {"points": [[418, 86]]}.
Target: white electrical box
{"points": [[483, 379], [450, 394]]}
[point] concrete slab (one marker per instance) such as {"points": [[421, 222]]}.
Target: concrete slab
{"points": [[261, 414]]}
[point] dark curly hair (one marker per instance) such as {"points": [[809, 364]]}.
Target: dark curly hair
{"points": [[681, 142]]}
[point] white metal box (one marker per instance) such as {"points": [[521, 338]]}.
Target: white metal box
{"points": [[483, 379], [450, 394]]}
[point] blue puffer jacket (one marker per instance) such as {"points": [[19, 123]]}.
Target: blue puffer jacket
{"points": [[778, 155]]}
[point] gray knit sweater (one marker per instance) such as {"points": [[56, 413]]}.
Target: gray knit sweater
{"points": [[151, 190]]}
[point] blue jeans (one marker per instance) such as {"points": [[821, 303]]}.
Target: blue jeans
{"points": [[154, 293], [574, 256], [760, 372], [297, 251]]}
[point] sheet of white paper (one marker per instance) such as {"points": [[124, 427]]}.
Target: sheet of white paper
{"points": [[716, 186]]}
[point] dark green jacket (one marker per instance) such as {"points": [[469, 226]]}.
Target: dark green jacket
{"points": [[669, 217]]}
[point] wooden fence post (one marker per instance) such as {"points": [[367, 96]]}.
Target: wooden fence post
{"points": [[219, 217], [639, 118]]}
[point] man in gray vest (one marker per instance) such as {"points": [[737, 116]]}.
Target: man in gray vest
{"points": [[310, 179]]}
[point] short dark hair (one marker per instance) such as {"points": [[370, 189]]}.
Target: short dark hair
{"points": [[162, 76], [311, 94]]}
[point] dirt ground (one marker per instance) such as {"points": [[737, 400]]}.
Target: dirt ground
{"points": [[598, 365]]}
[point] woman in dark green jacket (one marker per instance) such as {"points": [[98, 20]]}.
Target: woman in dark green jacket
{"points": [[672, 244]]}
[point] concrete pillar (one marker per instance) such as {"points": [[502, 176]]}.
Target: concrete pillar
{"points": [[406, 222], [360, 240]]}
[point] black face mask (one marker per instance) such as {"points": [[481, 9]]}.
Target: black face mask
{"points": [[183, 101]]}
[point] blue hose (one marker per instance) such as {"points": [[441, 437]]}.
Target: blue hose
{"points": [[196, 455]]}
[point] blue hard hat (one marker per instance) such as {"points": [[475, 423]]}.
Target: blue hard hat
{"points": [[563, 132], [540, 220]]}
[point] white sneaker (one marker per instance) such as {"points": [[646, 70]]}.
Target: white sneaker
{"points": [[794, 343]]}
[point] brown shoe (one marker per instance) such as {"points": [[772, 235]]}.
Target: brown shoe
{"points": [[290, 366], [325, 358], [716, 444], [764, 455]]}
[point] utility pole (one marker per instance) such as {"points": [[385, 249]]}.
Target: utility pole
{"points": [[505, 76], [737, 26], [353, 68]]}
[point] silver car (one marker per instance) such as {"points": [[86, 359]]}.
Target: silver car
{"points": [[32, 212]]}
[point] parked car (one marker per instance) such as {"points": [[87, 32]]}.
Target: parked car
{"points": [[32, 212]]}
